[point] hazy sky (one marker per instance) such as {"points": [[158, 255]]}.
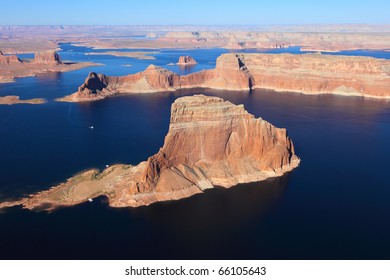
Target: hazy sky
{"points": [[202, 12]]}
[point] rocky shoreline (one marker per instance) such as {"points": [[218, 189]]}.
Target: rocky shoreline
{"points": [[305, 73]]}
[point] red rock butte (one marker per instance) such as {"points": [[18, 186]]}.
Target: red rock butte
{"points": [[186, 60], [305, 73], [48, 57], [210, 142]]}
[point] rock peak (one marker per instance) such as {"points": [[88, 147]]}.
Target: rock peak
{"points": [[93, 84], [214, 142], [91, 75], [153, 68]]}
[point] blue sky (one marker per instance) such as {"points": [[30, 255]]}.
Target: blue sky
{"points": [[197, 12]]}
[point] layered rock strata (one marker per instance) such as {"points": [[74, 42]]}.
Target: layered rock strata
{"points": [[210, 142], [306, 73]]}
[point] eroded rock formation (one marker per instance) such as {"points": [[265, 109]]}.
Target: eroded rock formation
{"points": [[186, 60], [48, 57], [306, 73], [210, 142], [8, 59]]}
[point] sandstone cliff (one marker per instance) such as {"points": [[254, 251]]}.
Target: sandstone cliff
{"points": [[9, 59], [214, 142], [210, 142], [306, 73], [186, 60], [317, 73], [48, 57]]}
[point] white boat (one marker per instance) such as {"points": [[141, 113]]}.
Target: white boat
{"points": [[90, 199]]}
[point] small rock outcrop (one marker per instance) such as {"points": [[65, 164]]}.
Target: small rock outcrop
{"points": [[152, 79], [186, 60], [48, 57], [210, 142]]}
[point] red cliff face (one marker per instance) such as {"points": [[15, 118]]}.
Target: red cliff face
{"points": [[9, 59], [306, 73], [186, 60], [229, 74], [214, 142], [48, 57], [317, 73]]}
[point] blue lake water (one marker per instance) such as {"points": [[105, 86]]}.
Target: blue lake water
{"points": [[333, 206]]}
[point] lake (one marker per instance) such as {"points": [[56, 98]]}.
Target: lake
{"points": [[335, 205]]}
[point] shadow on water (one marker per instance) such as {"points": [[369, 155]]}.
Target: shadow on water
{"points": [[191, 228]]}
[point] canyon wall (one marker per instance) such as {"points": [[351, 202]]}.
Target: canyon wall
{"points": [[305, 73], [186, 60]]}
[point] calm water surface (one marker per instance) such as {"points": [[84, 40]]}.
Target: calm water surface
{"points": [[333, 206]]}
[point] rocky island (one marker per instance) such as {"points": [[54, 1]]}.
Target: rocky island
{"points": [[305, 73], [210, 142], [12, 67], [186, 61]]}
